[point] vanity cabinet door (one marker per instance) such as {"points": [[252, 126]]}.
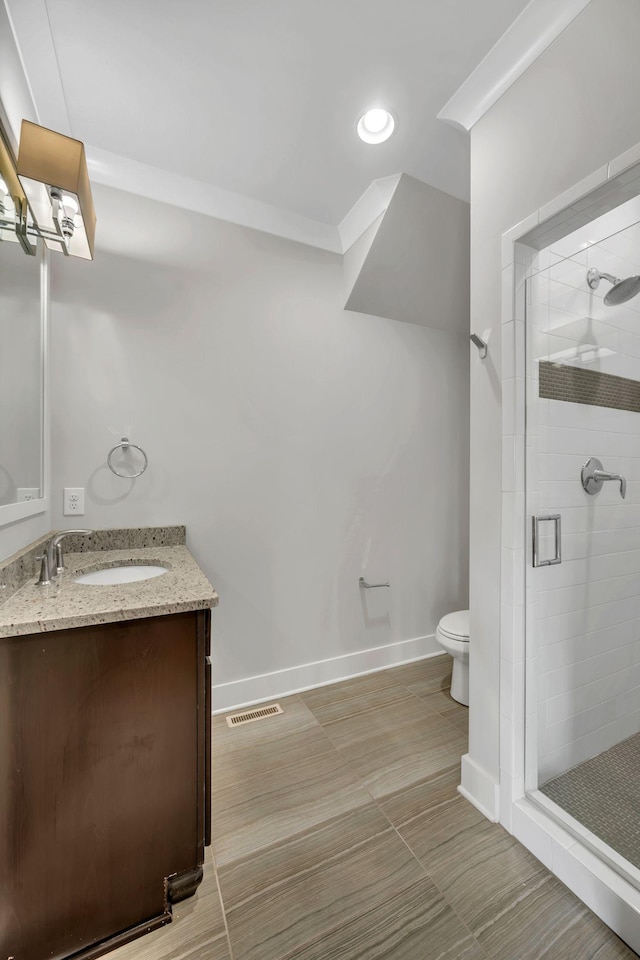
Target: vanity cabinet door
{"points": [[102, 761]]}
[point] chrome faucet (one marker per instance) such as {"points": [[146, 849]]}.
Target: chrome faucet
{"points": [[53, 559]]}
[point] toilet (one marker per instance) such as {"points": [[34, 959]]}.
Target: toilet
{"points": [[453, 636]]}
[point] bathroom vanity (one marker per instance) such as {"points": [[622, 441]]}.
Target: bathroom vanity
{"points": [[104, 767]]}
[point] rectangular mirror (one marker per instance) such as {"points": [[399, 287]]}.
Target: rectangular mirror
{"points": [[23, 328]]}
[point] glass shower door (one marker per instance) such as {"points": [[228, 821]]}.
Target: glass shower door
{"points": [[583, 582]]}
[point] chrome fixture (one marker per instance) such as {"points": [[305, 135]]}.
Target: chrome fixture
{"points": [[65, 209], [481, 344], [126, 444], [621, 291], [46, 193], [45, 575], [56, 546], [14, 209], [370, 586], [52, 558], [593, 477], [557, 556]]}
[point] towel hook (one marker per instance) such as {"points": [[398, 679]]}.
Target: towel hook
{"points": [[481, 344]]}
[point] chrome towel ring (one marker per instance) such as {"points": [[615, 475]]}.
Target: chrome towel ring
{"points": [[126, 445]]}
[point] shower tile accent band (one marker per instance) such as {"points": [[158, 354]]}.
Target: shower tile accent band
{"points": [[559, 381]]}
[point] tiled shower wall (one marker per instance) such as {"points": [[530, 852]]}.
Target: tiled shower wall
{"points": [[586, 610]]}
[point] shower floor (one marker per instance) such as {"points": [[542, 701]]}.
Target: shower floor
{"points": [[603, 794]]}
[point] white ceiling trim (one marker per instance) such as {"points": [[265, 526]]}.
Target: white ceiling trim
{"points": [[17, 98], [120, 172], [540, 23], [366, 210], [34, 41]]}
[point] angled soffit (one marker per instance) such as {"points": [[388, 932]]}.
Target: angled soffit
{"points": [[403, 269]]}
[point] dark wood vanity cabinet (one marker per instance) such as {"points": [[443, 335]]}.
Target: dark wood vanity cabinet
{"points": [[105, 779]]}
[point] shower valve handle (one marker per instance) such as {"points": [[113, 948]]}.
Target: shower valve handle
{"points": [[593, 477], [603, 475]]}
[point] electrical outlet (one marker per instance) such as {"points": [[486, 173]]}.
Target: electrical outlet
{"points": [[73, 503], [28, 493]]}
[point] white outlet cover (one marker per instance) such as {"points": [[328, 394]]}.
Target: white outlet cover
{"points": [[27, 493], [73, 502]]}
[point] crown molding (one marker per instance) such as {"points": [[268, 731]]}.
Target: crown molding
{"points": [[114, 170], [540, 23], [33, 40], [17, 101]]}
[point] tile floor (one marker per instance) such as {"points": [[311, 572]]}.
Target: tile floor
{"points": [[605, 783], [339, 835]]}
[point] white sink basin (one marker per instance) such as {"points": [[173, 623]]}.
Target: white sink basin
{"points": [[130, 573]]}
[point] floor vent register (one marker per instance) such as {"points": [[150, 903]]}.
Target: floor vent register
{"points": [[250, 716]]}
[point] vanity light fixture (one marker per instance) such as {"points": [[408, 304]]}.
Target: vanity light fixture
{"points": [[6, 206], [7, 213], [52, 169], [13, 203], [376, 125]]}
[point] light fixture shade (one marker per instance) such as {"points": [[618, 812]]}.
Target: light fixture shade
{"points": [[48, 159]]}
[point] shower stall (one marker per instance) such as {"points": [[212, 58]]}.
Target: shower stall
{"points": [[580, 370]]}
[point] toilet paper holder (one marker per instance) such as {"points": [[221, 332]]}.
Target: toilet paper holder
{"points": [[370, 586]]}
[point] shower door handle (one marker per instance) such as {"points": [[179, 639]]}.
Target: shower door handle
{"points": [[557, 558]]}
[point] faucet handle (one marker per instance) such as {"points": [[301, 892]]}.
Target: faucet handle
{"points": [[45, 575]]}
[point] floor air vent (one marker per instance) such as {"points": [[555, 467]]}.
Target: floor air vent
{"points": [[248, 716]]}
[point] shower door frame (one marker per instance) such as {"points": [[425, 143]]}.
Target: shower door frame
{"points": [[605, 882]]}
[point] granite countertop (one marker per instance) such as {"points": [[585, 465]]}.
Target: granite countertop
{"points": [[64, 604]]}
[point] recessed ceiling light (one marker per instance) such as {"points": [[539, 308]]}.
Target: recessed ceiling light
{"points": [[376, 125]]}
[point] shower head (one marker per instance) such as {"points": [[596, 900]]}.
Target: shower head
{"points": [[621, 291]]}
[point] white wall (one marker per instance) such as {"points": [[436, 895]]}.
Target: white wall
{"points": [[302, 445], [573, 109], [587, 609]]}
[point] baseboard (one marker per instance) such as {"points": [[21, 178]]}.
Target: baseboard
{"points": [[282, 683], [480, 789]]}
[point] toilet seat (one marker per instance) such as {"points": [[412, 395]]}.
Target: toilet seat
{"points": [[455, 626]]}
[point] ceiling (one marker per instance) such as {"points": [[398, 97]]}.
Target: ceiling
{"points": [[261, 98]]}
